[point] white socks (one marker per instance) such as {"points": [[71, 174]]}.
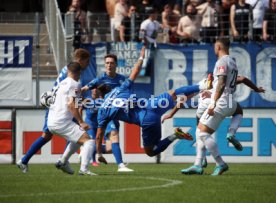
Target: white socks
{"points": [[70, 149], [235, 124], [200, 150], [86, 154], [211, 145]]}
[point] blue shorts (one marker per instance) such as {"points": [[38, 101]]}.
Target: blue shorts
{"points": [[93, 128], [151, 124], [113, 125]]}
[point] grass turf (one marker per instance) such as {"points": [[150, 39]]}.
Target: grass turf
{"points": [[155, 183]]}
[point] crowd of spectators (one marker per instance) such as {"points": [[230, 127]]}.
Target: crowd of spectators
{"points": [[177, 21]]}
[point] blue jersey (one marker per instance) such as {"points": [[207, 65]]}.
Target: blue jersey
{"points": [[105, 79], [116, 107], [62, 75]]}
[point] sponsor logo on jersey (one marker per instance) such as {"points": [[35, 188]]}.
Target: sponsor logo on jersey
{"points": [[221, 69]]}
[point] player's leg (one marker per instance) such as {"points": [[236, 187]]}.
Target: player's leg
{"points": [[113, 130], [202, 106], [151, 134], [197, 168], [88, 147], [63, 163], [208, 124], [36, 146], [116, 150], [234, 125]]}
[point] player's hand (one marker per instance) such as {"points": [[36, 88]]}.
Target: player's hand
{"points": [[101, 159], [261, 90], [165, 117], [206, 94], [84, 126], [211, 109], [84, 89]]}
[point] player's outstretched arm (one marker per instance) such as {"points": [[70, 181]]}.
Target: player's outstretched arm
{"points": [[249, 83], [99, 139], [179, 104], [137, 67]]}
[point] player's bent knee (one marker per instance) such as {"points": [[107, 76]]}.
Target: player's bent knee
{"points": [[172, 93], [85, 137], [149, 151], [47, 136]]}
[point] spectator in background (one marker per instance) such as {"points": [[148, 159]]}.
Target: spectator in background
{"points": [[210, 14], [121, 11], [97, 19], [189, 25], [125, 28], [258, 7], [225, 16], [269, 23], [80, 25], [240, 18], [170, 20], [110, 7], [143, 8], [195, 3], [148, 33], [159, 4]]}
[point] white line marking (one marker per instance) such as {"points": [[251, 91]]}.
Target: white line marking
{"points": [[169, 183]]}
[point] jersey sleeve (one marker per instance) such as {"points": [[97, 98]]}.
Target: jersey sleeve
{"points": [[221, 68], [62, 75], [93, 83], [126, 84], [74, 90]]}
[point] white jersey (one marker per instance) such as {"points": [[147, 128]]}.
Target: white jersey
{"points": [[151, 28], [59, 113], [226, 65]]}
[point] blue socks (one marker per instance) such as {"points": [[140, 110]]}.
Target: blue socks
{"points": [[187, 90], [33, 149], [161, 146], [117, 152]]}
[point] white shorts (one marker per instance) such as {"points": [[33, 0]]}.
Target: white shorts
{"points": [[221, 111], [71, 131], [202, 106]]}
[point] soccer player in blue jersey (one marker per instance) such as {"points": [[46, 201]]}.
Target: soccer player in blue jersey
{"points": [[81, 56], [121, 104], [112, 79]]}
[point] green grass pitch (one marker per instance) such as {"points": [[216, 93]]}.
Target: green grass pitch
{"points": [[156, 183]]}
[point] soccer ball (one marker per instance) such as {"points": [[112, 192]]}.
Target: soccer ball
{"points": [[46, 99]]}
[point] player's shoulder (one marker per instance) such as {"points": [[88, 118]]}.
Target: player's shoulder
{"points": [[121, 77]]}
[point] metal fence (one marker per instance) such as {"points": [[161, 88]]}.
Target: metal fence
{"points": [[103, 31], [61, 46]]}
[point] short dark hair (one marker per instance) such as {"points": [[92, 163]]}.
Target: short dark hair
{"points": [[103, 89], [111, 56], [81, 54], [224, 41], [74, 67]]}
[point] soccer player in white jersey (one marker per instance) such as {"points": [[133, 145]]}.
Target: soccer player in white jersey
{"points": [[62, 112], [81, 56], [222, 105]]}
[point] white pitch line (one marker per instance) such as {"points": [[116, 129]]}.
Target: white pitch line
{"points": [[169, 183]]}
